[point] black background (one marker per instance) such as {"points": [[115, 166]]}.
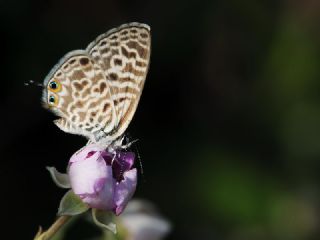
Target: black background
{"points": [[227, 123]]}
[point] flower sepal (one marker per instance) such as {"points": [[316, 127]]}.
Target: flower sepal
{"points": [[104, 219], [60, 179], [71, 205]]}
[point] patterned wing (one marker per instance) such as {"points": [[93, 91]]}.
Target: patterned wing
{"points": [[76, 89], [124, 53]]}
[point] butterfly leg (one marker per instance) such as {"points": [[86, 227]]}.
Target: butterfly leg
{"points": [[99, 133], [127, 145]]}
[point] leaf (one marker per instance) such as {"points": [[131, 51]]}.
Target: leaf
{"points": [[104, 219], [60, 179], [71, 205]]}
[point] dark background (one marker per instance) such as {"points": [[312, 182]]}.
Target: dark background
{"points": [[228, 123]]}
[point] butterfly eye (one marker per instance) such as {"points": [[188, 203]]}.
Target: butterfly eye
{"points": [[54, 86]]}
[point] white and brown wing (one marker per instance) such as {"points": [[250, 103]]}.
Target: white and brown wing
{"points": [[77, 90], [96, 91], [124, 54]]}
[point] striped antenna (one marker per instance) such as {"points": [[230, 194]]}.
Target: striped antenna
{"points": [[32, 83]]}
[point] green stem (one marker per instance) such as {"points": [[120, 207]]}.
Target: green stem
{"points": [[46, 235]]}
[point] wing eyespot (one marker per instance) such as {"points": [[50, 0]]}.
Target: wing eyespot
{"points": [[52, 100], [54, 86]]}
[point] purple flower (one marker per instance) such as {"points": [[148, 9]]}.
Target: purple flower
{"points": [[102, 179]]}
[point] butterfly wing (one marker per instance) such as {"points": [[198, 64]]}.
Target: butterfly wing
{"points": [[96, 91], [124, 55], [76, 89]]}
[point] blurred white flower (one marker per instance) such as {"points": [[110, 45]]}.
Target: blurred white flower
{"points": [[142, 221]]}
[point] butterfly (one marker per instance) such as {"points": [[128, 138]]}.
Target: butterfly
{"points": [[95, 92]]}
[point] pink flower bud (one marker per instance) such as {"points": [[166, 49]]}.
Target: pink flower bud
{"points": [[102, 179]]}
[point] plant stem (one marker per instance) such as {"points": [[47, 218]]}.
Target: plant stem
{"points": [[46, 235]]}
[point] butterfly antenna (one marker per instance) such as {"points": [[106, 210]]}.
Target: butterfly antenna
{"points": [[32, 83], [140, 162]]}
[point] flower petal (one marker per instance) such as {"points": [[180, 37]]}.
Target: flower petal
{"points": [[105, 194], [123, 162], [84, 174], [102, 197], [124, 190], [127, 160], [83, 152], [108, 157]]}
